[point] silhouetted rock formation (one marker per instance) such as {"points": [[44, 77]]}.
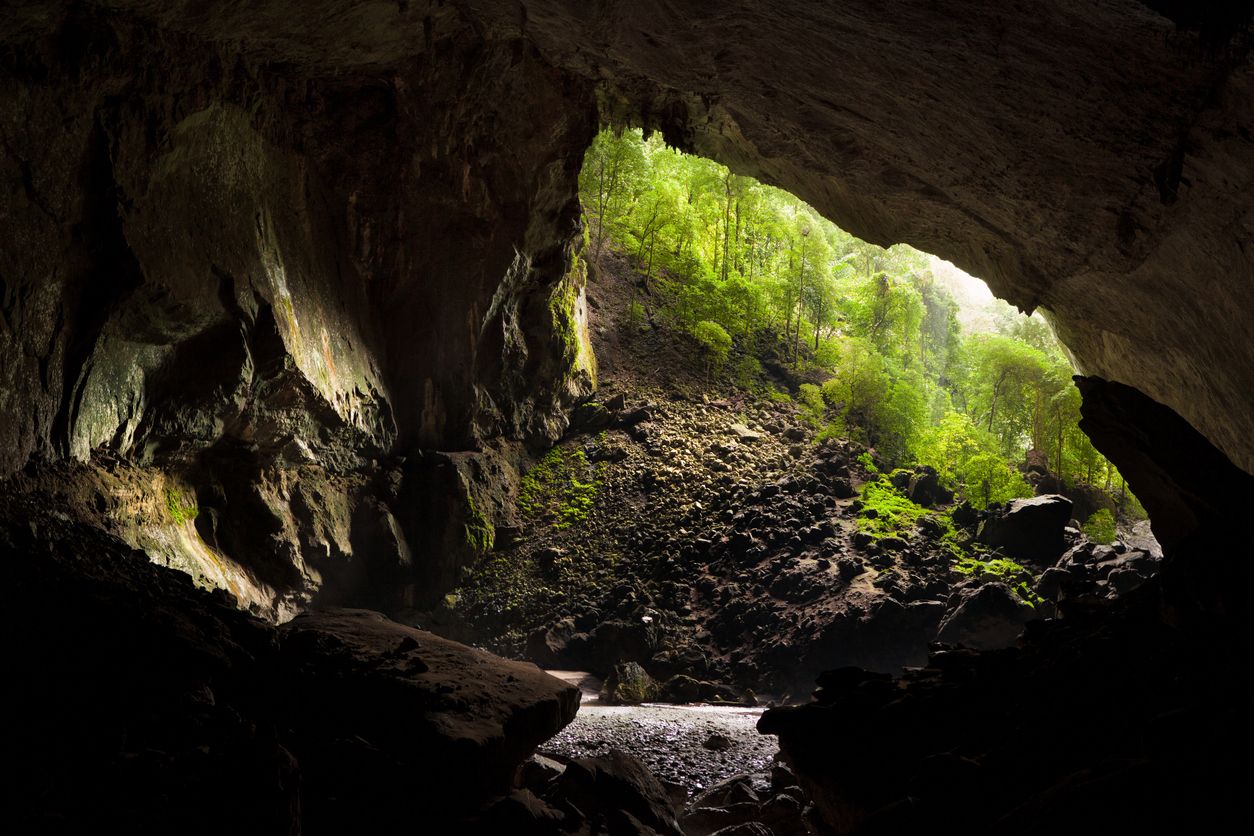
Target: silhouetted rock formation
{"points": [[286, 287], [149, 706]]}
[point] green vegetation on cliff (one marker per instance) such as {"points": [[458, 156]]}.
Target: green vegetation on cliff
{"points": [[179, 506], [869, 338], [561, 487]]}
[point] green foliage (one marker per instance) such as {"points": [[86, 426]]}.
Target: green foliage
{"points": [[868, 463], [562, 488], [480, 533], [732, 260], [636, 315], [876, 401], [1100, 528], [748, 372], [812, 405], [180, 507], [778, 396], [969, 459], [1000, 570], [716, 343], [886, 511]]}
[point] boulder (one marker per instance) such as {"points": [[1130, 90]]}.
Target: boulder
{"points": [[732, 790], [1030, 529], [547, 646], [925, 488], [378, 711], [590, 417], [521, 813], [965, 515], [1051, 584], [986, 618], [629, 684], [681, 689], [632, 419], [842, 488], [743, 433], [537, 772], [617, 794], [612, 642], [705, 821]]}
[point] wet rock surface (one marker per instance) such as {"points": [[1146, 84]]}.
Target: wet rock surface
{"points": [[672, 740]]}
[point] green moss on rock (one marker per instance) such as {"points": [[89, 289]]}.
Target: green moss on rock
{"points": [[562, 488], [179, 506]]}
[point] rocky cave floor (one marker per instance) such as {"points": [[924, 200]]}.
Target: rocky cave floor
{"points": [[721, 564], [722, 551], [717, 559]]}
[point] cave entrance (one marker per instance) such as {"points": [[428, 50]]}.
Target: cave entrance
{"points": [[797, 458]]}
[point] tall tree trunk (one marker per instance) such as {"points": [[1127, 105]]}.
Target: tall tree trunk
{"points": [[727, 223], [648, 270], [992, 406], [1061, 427]]}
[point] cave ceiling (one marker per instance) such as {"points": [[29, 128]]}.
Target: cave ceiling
{"points": [[1092, 160]]}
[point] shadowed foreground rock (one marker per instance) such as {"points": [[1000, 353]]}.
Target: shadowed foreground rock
{"points": [[149, 706], [1119, 716], [394, 724], [1111, 723]]}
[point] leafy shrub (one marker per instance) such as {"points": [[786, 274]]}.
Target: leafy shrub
{"points": [[747, 371], [967, 458], [1100, 527], [716, 342], [778, 396], [811, 399]]}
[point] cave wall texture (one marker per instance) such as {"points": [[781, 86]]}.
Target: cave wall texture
{"points": [[287, 288]]}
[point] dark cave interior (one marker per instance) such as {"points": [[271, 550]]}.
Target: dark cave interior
{"points": [[287, 301]]}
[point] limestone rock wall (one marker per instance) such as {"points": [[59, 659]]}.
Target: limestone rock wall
{"points": [[279, 252], [257, 290]]}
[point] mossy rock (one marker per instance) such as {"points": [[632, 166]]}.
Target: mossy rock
{"points": [[629, 684]]}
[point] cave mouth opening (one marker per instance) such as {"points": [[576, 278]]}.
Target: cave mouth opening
{"points": [[799, 457]]}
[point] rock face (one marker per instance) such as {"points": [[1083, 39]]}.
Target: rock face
{"points": [[1030, 529], [406, 715], [272, 251], [284, 286], [150, 706], [235, 277], [1197, 498]]}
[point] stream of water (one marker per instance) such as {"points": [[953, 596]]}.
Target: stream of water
{"points": [[693, 746]]}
